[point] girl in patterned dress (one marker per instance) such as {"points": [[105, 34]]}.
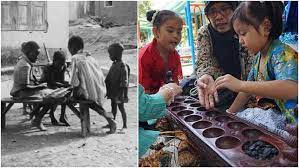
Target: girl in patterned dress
{"points": [[273, 78]]}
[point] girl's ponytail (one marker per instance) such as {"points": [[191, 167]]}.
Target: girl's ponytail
{"points": [[149, 15], [157, 18]]}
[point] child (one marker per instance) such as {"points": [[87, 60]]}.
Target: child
{"points": [[25, 84], [54, 76], [273, 77], [87, 79], [117, 81], [160, 56], [25, 105]]}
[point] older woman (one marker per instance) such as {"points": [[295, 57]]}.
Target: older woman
{"points": [[218, 53]]}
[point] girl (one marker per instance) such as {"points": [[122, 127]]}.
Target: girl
{"points": [[273, 77], [160, 56]]}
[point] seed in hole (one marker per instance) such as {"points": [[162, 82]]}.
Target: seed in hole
{"points": [[260, 150]]}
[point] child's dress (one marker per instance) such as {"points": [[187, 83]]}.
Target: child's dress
{"points": [[117, 81], [281, 63]]}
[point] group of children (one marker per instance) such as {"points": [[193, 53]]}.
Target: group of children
{"points": [[87, 81]]}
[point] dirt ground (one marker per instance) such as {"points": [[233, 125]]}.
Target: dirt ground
{"points": [[24, 145], [97, 40]]}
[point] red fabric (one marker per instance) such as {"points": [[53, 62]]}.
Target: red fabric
{"points": [[151, 73]]}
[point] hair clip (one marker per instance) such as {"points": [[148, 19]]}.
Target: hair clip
{"points": [[154, 16]]}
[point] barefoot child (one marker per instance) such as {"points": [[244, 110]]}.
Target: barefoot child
{"points": [[273, 79], [54, 76], [87, 79], [25, 84], [117, 81]]}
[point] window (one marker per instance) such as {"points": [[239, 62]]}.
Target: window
{"points": [[23, 15], [108, 4]]}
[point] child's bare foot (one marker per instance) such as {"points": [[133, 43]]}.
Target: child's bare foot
{"points": [[39, 125], [112, 127]]}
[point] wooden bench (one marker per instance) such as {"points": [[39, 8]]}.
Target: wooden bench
{"points": [[82, 113]]}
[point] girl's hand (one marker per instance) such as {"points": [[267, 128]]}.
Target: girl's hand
{"points": [[229, 82], [176, 89], [170, 90]]}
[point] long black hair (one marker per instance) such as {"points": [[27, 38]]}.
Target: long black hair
{"points": [[254, 13]]}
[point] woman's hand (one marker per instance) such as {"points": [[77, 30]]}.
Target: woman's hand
{"points": [[229, 82], [207, 93]]}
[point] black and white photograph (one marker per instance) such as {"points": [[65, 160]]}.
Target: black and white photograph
{"points": [[68, 83]]}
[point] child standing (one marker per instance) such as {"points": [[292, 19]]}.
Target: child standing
{"points": [[160, 56], [54, 76], [87, 79], [117, 81], [274, 73]]}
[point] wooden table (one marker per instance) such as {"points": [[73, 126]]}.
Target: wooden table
{"points": [[82, 113]]}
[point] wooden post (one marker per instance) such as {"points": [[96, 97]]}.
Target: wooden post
{"points": [[3, 120], [4, 110]]}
